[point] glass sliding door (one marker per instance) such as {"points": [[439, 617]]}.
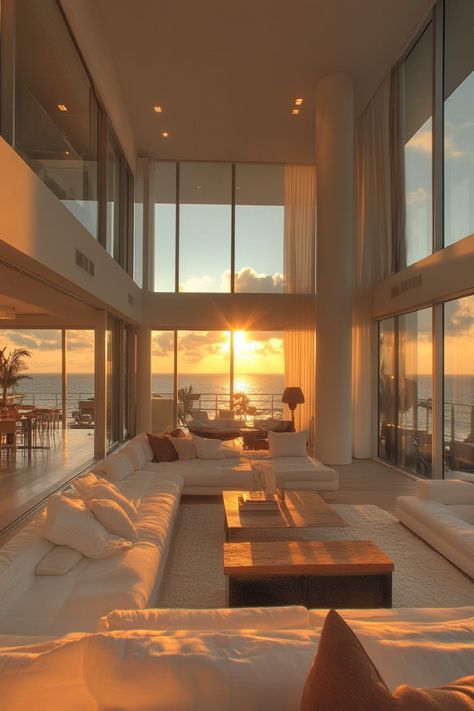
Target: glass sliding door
{"points": [[259, 373], [459, 386], [406, 391], [387, 435], [415, 391]]}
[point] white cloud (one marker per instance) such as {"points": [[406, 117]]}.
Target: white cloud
{"points": [[200, 284], [418, 196], [250, 282], [421, 142], [450, 148]]}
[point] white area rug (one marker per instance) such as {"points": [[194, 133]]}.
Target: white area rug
{"points": [[422, 578]]}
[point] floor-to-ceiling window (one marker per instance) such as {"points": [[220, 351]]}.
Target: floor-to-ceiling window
{"points": [[165, 225], [458, 120], [459, 386], [418, 139]]}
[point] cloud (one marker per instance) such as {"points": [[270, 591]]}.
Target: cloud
{"points": [[197, 284], [80, 341], [33, 340], [450, 148], [162, 344], [418, 196], [196, 345], [250, 282], [460, 316], [421, 142]]}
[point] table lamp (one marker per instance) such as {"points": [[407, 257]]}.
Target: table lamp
{"points": [[292, 397]]}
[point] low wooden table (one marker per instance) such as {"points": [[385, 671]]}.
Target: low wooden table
{"points": [[312, 573], [300, 509]]}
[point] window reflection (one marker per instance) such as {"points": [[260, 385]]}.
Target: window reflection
{"points": [[417, 75], [458, 120], [56, 113]]}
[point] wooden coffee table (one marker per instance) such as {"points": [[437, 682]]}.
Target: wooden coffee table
{"points": [[300, 510], [341, 574]]}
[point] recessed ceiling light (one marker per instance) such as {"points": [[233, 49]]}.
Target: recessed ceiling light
{"points": [[165, 134], [157, 109], [62, 107], [295, 112], [298, 102]]}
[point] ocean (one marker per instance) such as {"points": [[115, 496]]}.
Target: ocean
{"points": [[264, 392]]}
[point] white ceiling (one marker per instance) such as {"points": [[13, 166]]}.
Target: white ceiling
{"points": [[226, 72]]}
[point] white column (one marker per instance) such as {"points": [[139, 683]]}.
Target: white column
{"points": [[334, 179], [143, 379], [100, 384]]}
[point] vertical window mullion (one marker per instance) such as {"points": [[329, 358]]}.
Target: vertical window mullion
{"points": [[176, 264], [438, 127], [232, 234], [437, 413]]}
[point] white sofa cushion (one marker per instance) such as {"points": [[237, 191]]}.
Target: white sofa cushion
{"points": [[69, 523], [103, 489], [59, 561], [447, 492], [207, 448], [113, 518], [245, 618], [115, 468], [135, 452], [287, 444], [141, 440], [195, 671], [45, 677]]}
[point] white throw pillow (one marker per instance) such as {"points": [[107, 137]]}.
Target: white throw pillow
{"points": [[136, 455], [115, 468], [113, 518], [287, 444], [59, 561], [207, 448], [70, 523], [103, 489], [184, 447]]}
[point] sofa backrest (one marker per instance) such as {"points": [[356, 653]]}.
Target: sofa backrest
{"points": [[452, 491]]}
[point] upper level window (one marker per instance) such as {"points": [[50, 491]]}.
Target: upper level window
{"points": [[458, 121], [417, 110], [259, 227], [205, 195], [56, 113]]}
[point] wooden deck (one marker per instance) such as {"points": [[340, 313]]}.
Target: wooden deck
{"points": [[24, 482]]}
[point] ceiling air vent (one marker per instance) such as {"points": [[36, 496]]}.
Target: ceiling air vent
{"points": [[85, 263], [406, 285]]}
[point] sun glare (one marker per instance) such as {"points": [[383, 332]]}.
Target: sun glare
{"points": [[240, 343]]}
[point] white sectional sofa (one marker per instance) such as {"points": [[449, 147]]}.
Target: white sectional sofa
{"points": [[233, 472], [237, 660], [54, 605], [442, 513]]}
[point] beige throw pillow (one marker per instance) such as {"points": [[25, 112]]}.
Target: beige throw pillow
{"points": [[103, 489], [183, 446], [207, 448], [113, 518], [70, 523], [59, 561], [287, 444]]}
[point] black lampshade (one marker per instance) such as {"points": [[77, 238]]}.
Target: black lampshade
{"points": [[292, 397]]}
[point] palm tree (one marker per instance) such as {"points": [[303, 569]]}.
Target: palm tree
{"points": [[11, 370]]}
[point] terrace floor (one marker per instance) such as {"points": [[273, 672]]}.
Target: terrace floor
{"points": [[24, 482]]}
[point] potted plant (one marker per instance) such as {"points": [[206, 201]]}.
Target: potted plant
{"points": [[12, 367]]}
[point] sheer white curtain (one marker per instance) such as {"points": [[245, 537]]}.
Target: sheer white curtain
{"points": [[373, 254], [300, 193]]}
